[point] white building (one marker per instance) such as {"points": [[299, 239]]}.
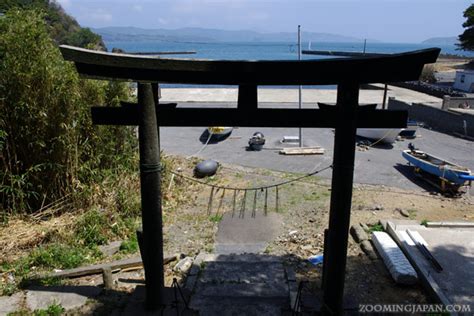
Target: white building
{"points": [[464, 80]]}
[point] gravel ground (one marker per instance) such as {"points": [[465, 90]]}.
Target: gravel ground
{"points": [[303, 211]]}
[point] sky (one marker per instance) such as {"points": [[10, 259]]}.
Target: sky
{"points": [[403, 21]]}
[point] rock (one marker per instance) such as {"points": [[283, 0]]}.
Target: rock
{"points": [[111, 248], [306, 247], [378, 208], [367, 248], [291, 233], [205, 168], [364, 226], [358, 233], [184, 265]]}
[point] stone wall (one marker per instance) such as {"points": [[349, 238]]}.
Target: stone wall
{"points": [[428, 88], [437, 119], [457, 102]]}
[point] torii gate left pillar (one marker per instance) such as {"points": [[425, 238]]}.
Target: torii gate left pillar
{"points": [[150, 187]]}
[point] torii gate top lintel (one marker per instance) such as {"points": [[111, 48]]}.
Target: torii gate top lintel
{"points": [[372, 69], [346, 116]]}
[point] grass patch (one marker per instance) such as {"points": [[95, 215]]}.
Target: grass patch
{"points": [[424, 222], [130, 245], [313, 196], [412, 213], [268, 249], [52, 310], [112, 212], [216, 218], [60, 256], [7, 289], [91, 227], [53, 256], [375, 228]]}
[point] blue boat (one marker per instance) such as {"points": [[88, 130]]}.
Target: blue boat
{"points": [[443, 169]]}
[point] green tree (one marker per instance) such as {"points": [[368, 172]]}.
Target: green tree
{"points": [[63, 28], [466, 39], [49, 147]]}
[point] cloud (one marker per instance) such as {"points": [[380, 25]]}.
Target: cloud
{"points": [[162, 21], [101, 16], [64, 3], [137, 8]]}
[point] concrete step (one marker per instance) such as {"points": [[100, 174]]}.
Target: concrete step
{"points": [[247, 257], [243, 290], [233, 308], [243, 272], [243, 284]]}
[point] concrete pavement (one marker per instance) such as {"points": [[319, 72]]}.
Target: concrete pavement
{"points": [[291, 95], [379, 165]]}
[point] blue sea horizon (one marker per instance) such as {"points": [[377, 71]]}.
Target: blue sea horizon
{"points": [[266, 51]]}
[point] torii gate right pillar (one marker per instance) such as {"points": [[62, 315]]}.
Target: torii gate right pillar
{"points": [[341, 196]]}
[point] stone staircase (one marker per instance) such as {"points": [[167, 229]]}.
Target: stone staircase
{"points": [[239, 284]]}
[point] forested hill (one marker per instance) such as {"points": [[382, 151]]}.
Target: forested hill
{"points": [[64, 29]]}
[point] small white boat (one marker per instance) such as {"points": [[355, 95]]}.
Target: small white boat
{"points": [[383, 135]]}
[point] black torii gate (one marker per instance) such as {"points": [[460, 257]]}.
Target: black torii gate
{"points": [[346, 116]]}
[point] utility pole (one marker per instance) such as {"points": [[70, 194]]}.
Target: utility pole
{"points": [[299, 87]]}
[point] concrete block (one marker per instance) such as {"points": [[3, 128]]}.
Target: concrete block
{"points": [[450, 224], [358, 233], [396, 262], [68, 296], [10, 304]]}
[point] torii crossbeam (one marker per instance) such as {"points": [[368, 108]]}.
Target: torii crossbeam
{"points": [[346, 117]]}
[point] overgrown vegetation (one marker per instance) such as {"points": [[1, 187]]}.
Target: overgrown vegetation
{"points": [[63, 28], [54, 161], [49, 147]]}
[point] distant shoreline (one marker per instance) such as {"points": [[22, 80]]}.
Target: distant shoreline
{"points": [[455, 57]]}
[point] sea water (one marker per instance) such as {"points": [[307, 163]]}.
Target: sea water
{"points": [[269, 51], [266, 50]]}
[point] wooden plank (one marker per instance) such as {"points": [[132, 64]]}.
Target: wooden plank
{"points": [[249, 118], [103, 65], [97, 268], [303, 151]]}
